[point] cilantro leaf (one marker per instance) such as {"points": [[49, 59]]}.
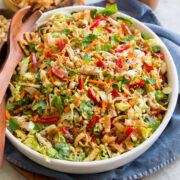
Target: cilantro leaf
{"points": [[87, 57], [152, 123], [150, 80], [156, 49], [39, 106], [39, 127], [57, 102], [117, 86], [73, 71], [86, 107], [37, 76], [108, 11], [123, 80], [66, 31], [159, 95], [88, 39], [147, 37], [125, 19], [32, 48], [13, 124], [63, 149]]}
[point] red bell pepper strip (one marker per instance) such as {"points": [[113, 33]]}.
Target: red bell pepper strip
{"points": [[149, 67], [92, 123], [122, 48], [101, 17], [115, 93], [61, 44], [93, 96], [65, 131], [68, 22], [139, 84], [128, 132], [158, 55], [49, 54], [118, 65], [34, 62], [47, 120], [94, 25], [100, 63], [126, 29], [154, 112], [58, 74], [81, 83], [94, 139], [107, 29]]}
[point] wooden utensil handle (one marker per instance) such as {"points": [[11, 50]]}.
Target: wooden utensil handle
{"points": [[2, 129], [6, 73]]}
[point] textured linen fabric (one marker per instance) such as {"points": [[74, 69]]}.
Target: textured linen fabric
{"points": [[164, 150]]}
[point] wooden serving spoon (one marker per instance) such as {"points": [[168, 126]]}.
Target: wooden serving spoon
{"points": [[14, 52], [14, 55]]}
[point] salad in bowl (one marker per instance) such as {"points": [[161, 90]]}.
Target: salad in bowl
{"points": [[90, 87]]}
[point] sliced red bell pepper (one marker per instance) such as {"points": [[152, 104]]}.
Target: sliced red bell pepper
{"points": [[50, 120], [115, 93], [139, 84], [101, 17], [49, 54], [94, 25], [126, 29], [92, 123], [154, 112], [94, 139], [107, 29], [61, 44], [93, 96], [128, 132], [65, 131], [58, 74], [122, 48], [149, 67], [158, 55], [68, 22], [100, 63], [118, 64], [34, 62], [81, 83]]}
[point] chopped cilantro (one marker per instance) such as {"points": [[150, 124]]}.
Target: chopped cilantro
{"points": [[13, 124]]}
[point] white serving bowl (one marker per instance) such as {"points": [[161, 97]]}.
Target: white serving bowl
{"points": [[108, 164]]}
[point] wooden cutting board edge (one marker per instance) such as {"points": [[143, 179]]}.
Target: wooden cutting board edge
{"points": [[29, 175]]}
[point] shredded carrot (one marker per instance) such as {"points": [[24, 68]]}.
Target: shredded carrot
{"points": [[36, 97], [67, 109], [132, 102], [51, 77], [65, 59], [145, 72], [22, 108], [91, 46], [103, 109], [112, 82], [127, 89], [97, 82], [56, 130], [40, 44], [8, 116], [70, 36], [35, 118], [75, 130], [22, 94]]}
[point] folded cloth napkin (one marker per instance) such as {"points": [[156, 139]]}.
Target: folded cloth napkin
{"points": [[165, 149]]}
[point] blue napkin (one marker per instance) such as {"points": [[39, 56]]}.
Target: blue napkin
{"points": [[165, 149]]}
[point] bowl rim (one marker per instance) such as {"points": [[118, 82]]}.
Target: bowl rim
{"points": [[140, 148]]}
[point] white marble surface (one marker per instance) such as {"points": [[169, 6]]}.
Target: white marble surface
{"points": [[168, 13]]}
